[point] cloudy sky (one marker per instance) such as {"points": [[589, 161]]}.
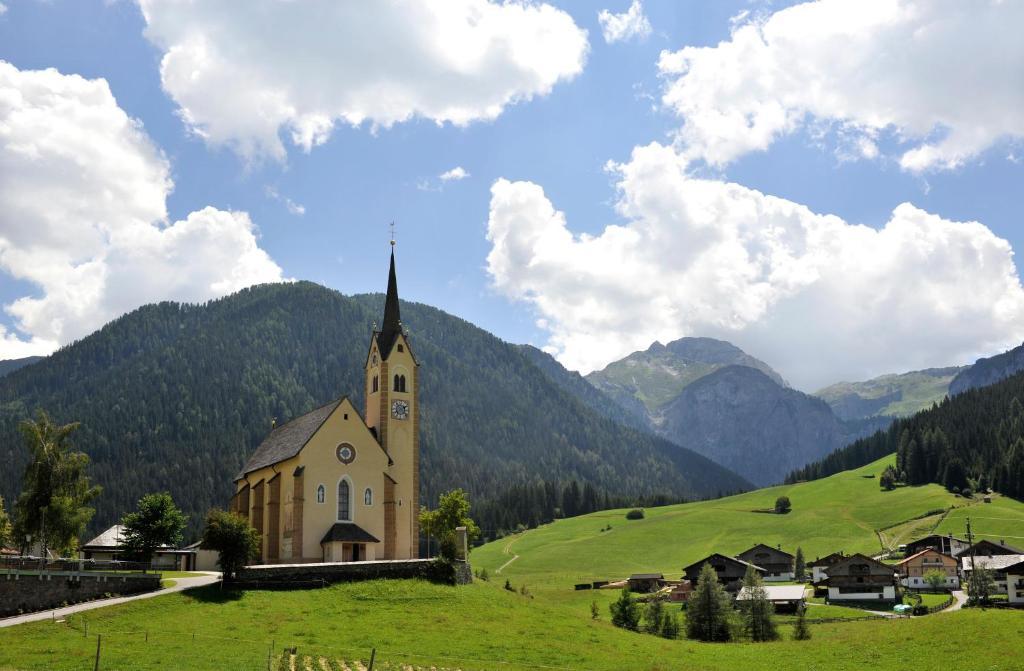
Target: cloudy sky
{"points": [[834, 186]]}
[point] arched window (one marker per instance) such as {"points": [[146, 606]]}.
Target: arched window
{"points": [[321, 494], [376, 384], [344, 502], [399, 382], [368, 497]]}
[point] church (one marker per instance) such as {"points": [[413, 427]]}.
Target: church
{"points": [[334, 485]]}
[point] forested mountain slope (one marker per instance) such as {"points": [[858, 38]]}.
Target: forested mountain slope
{"points": [[974, 439], [11, 365], [988, 371], [176, 396]]}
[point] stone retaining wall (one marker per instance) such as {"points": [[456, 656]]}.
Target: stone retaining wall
{"points": [[309, 575], [26, 592]]}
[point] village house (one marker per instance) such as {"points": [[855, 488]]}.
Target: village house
{"points": [[334, 485], [107, 547], [861, 578], [947, 545], [1015, 583], [997, 564], [819, 567], [730, 570], [778, 564], [988, 548], [681, 591], [912, 570], [785, 598]]}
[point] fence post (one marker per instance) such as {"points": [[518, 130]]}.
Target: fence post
{"points": [[373, 653], [96, 666]]}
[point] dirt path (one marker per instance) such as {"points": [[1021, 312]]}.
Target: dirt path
{"points": [[959, 599], [507, 550], [180, 585]]}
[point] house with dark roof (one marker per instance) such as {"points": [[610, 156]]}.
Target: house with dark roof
{"points": [[777, 563], [988, 548], [730, 571], [646, 582], [341, 484], [819, 567], [948, 545], [861, 578]]}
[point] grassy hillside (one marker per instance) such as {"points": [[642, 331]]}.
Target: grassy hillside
{"points": [[484, 626], [840, 512]]}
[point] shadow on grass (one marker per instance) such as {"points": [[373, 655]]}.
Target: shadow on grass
{"points": [[213, 594]]}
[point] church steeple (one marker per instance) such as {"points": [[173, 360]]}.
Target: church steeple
{"points": [[391, 327]]}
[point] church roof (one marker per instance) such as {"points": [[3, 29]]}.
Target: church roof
{"points": [[288, 439], [392, 324], [348, 532]]}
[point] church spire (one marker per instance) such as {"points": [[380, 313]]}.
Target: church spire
{"points": [[391, 327]]}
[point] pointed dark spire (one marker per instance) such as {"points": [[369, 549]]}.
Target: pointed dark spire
{"points": [[392, 324]]}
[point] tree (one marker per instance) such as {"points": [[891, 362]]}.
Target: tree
{"points": [[157, 522], [52, 507], [625, 611], [801, 632], [669, 626], [5, 525], [980, 586], [452, 512], [707, 614], [936, 579], [653, 616], [800, 565], [232, 538], [595, 612], [782, 505], [757, 609]]}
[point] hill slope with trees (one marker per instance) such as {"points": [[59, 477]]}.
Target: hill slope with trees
{"points": [[175, 397], [974, 439]]}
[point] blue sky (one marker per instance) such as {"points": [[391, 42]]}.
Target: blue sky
{"points": [[360, 179]]}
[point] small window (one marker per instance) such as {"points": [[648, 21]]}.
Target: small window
{"points": [[401, 348], [321, 493], [376, 384], [368, 497], [399, 383]]}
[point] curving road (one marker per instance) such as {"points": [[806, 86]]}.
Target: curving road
{"points": [[180, 585]]}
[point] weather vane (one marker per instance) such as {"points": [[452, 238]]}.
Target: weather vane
{"points": [[392, 234]]}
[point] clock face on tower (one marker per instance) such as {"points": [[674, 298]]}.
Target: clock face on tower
{"points": [[400, 410]]}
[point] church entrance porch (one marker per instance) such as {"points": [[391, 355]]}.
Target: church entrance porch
{"points": [[347, 542]]}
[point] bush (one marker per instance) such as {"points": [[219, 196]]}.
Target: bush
{"points": [[653, 617], [920, 609], [635, 514], [508, 585], [783, 505], [595, 612], [967, 493]]}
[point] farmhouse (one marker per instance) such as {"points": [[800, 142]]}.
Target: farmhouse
{"points": [[989, 548], [777, 563], [997, 564], [335, 485], [861, 578], [947, 545], [819, 567], [1015, 583], [913, 569], [730, 571], [785, 598], [107, 547], [645, 582]]}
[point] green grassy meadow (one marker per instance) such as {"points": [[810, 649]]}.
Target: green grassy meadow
{"points": [[485, 626]]}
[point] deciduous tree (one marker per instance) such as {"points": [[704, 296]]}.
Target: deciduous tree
{"points": [[231, 537], [53, 506], [936, 579], [452, 512], [783, 505], [157, 522]]}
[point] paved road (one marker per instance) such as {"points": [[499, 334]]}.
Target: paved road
{"points": [[180, 584]]}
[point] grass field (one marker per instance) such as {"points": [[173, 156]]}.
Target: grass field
{"points": [[484, 626]]}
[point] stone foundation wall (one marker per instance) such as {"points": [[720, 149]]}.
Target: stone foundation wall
{"points": [[24, 592], [310, 575]]}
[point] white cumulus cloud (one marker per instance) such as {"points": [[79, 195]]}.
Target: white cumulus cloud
{"points": [[942, 77], [83, 216], [455, 174], [242, 77], [818, 297], [626, 26]]}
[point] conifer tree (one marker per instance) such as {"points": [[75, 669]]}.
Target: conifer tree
{"points": [[653, 617], [625, 611], [669, 626], [757, 609], [799, 565], [707, 614], [5, 525], [801, 632]]}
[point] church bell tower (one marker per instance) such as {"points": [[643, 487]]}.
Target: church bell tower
{"points": [[392, 412]]}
